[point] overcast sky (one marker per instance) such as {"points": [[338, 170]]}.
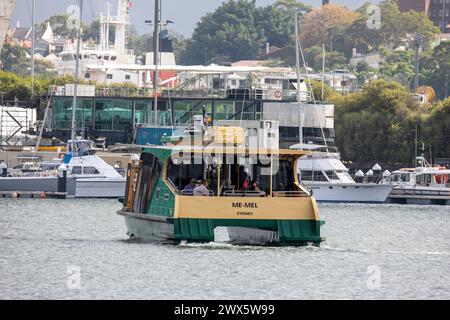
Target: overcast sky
{"points": [[185, 13]]}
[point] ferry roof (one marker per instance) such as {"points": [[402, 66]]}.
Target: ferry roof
{"points": [[219, 149]]}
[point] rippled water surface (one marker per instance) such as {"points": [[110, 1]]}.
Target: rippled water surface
{"points": [[372, 251]]}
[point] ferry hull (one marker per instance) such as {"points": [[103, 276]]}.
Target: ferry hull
{"points": [[146, 227]]}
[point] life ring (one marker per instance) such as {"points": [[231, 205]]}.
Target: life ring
{"points": [[278, 94]]}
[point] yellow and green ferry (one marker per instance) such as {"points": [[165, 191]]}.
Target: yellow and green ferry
{"points": [[277, 210]]}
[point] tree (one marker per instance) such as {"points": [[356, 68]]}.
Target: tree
{"points": [[277, 21], [318, 24], [11, 56], [397, 66], [378, 124], [228, 33], [435, 69], [437, 132], [61, 27], [333, 60]]}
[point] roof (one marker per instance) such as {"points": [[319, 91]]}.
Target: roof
{"points": [[21, 33]]}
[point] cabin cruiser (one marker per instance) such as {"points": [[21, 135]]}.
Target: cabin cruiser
{"points": [[422, 185], [94, 177], [329, 179], [85, 175]]}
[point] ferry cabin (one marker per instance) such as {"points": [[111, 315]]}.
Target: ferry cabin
{"points": [[281, 210]]}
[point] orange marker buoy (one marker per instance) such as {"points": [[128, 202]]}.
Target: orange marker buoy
{"points": [[42, 195], [14, 195]]}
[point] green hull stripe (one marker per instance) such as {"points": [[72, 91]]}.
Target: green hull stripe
{"points": [[289, 231]]}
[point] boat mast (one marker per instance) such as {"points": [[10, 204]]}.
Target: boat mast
{"points": [[77, 67], [297, 61], [33, 36], [156, 59]]}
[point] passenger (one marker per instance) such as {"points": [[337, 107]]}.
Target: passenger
{"points": [[254, 186], [202, 189], [191, 185]]}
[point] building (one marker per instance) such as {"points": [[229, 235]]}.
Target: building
{"points": [[373, 59], [437, 10]]}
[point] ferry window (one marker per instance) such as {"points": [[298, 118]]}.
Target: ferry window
{"points": [[150, 171], [76, 170], [113, 58], [283, 179], [90, 170], [106, 58], [87, 76], [109, 76], [127, 77], [181, 170]]}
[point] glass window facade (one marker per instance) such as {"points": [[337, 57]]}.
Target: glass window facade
{"points": [[112, 114], [185, 110], [62, 113]]}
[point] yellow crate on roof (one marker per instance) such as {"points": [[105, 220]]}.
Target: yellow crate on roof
{"points": [[226, 135]]}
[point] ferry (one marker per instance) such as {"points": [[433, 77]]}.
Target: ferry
{"points": [[162, 203], [425, 184]]}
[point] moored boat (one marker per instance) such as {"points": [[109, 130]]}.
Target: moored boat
{"points": [[421, 185], [325, 174]]}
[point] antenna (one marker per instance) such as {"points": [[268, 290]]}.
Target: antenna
{"points": [[77, 67]]}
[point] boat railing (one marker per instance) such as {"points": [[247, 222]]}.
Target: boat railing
{"points": [[191, 193], [243, 193]]}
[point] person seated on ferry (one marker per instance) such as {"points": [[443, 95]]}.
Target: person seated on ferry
{"points": [[202, 189], [254, 186], [191, 185]]}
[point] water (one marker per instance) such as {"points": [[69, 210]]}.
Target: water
{"points": [[372, 251]]}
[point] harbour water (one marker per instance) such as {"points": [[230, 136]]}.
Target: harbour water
{"points": [[78, 249]]}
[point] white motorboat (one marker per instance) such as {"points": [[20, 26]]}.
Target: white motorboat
{"points": [[425, 184], [94, 177], [325, 174]]}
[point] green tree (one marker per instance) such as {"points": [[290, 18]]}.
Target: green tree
{"points": [[333, 60], [437, 131], [61, 27], [435, 69], [277, 21], [228, 33], [378, 123], [11, 56], [397, 66]]}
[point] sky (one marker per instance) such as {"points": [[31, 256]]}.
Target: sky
{"points": [[184, 13]]}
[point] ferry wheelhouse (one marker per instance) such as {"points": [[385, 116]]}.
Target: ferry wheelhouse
{"points": [[280, 210]]}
